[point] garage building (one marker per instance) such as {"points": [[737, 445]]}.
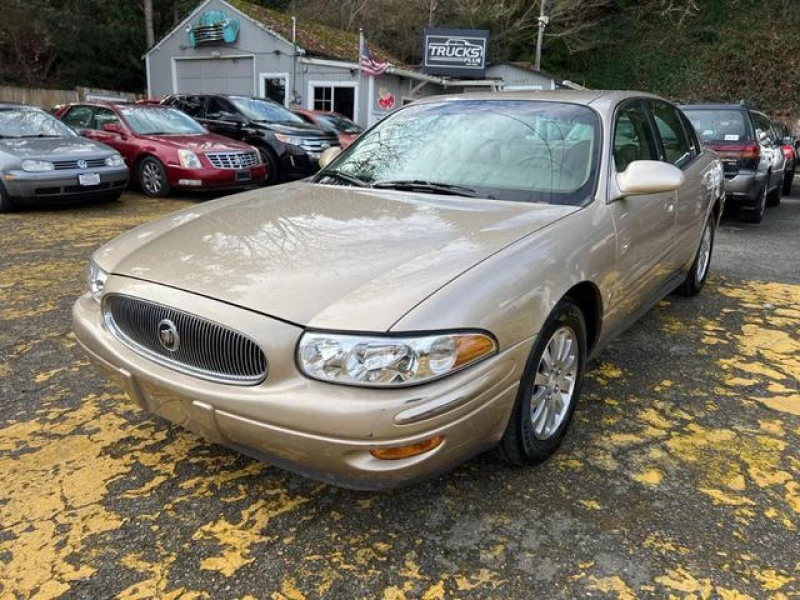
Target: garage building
{"points": [[235, 47]]}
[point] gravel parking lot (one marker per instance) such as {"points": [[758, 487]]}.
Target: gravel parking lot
{"points": [[680, 477]]}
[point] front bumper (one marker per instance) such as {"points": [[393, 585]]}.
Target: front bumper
{"points": [[210, 178], [23, 185], [317, 429]]}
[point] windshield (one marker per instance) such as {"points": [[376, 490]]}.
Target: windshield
{"points": [[31, 122], [528, 151], [264, 110], [338, 123], [151, 120], [719, 125]]}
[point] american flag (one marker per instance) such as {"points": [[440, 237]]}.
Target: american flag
{"points": [[369, 64]]}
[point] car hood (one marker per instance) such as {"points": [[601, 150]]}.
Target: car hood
{"points": [[54, 148], [323, 256], [198, 143]]}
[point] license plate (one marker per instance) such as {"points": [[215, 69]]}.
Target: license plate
{"points": [[243, 175], [87, 179]]}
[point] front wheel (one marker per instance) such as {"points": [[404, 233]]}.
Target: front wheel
{"points": [[273, 174], [153, 177], [697, 275], [549, 389], [5, 201]]}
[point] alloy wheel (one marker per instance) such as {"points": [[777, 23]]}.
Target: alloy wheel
{"points": [[152, 179], [554, 383], [704, 254]]}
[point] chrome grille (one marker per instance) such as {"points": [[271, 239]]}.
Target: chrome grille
{"points": [[233, 160], [66, 165], [318, 144], [207, 350]]}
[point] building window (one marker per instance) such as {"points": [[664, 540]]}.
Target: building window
{"points": [[274, 88], [336, 98]]}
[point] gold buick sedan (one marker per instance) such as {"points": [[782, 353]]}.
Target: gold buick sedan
{"points": [[435, 291]]}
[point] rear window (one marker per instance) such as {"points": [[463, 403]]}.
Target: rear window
{"points": [[719, 125]]}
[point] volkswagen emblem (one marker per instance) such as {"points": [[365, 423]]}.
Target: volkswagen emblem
{"points": [[168, 335], [82, 164]]}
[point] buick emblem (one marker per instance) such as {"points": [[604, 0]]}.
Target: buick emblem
{"points": [[82, 164], [168, 335]]}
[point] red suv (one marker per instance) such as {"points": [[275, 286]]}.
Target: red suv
{"points": [[165, 148]]}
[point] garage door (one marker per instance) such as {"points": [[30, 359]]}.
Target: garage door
{"points": [[215, 76]]}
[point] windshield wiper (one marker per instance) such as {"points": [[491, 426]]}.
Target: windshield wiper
{"points": [[343, 177], [420, 185]]}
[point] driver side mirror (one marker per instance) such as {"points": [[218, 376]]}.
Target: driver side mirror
{"points": [[328, 156], [113, 128], [649, 177]]}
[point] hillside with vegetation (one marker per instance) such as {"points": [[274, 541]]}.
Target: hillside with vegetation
{"points": [[688, 50]]}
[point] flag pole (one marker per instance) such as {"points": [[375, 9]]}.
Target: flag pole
{"points": [[361, 73]]}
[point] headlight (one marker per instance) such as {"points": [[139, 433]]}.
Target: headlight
{"points": [[36, 166], [115, 160], [289, 139], [189, 159], [97, 280], [389, 361]]}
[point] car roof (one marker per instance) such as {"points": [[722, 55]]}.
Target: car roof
{"points": [[585, 97], [717, 106]]}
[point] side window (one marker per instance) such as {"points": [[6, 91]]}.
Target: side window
{"points": [[191, 105], [633, 136], [763, 127], [673, 137], [691, 133], [218, 109], [79, 117], [103, 116]]}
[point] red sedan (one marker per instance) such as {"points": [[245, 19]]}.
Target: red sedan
{"points": [[345, 129], [166, 149]]}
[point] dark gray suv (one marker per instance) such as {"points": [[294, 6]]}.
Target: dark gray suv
{"points": [[750, 149]]}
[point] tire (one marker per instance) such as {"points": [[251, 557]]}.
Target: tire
{"points": [[757, 215], [698, 273], [269, 158], [774, 197], [788, 180], [528, 439], [5, 202], [153, 177]]}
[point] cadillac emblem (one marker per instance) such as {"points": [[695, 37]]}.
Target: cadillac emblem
{"points": [[168, 335]]}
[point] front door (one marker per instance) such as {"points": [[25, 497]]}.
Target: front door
{"points": [[645, 224]]}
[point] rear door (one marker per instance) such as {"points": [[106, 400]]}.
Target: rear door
{"points": [[645, 224], [767, 139], [679, 147]]}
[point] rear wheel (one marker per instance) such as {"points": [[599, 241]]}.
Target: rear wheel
{"points": [[696, 277], [757, 215], [153, 177], [549, 389], [774, 197], [788, 179]]}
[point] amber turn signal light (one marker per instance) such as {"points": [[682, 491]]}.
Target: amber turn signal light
{"points": [[399, 452]]}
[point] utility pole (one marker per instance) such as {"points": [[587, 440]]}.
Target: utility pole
{"points": [[544, 8], [149, 29]]}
